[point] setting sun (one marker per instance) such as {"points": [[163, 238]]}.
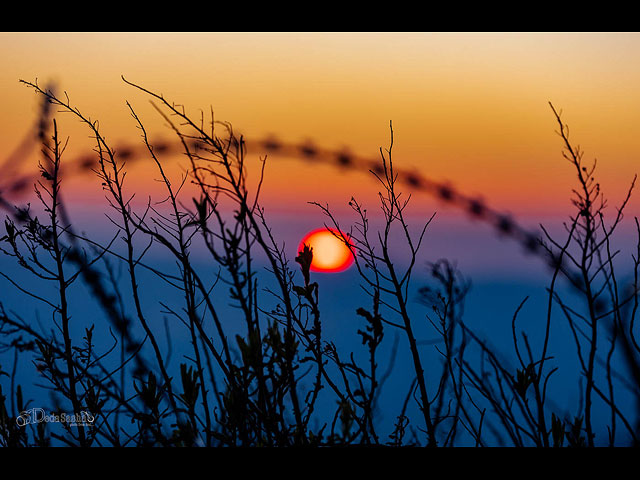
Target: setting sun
{"points": [[330, 254]]}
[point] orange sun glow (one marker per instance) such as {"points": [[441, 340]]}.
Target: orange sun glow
{"points": [[330, 254]]}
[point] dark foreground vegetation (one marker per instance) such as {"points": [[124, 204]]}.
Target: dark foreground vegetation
{"points": [[267, 375]]}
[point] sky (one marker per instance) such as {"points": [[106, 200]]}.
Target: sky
{"points": [[470, 109]]}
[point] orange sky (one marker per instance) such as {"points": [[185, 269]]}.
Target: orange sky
{"points": [[471, 108]]}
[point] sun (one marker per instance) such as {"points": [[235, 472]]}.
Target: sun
{"points": [[330, 254]]}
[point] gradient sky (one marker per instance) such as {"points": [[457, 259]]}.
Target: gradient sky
{"points": [[470, 108]]}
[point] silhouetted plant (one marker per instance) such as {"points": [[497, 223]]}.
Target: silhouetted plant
{"points": [[266, 374]]}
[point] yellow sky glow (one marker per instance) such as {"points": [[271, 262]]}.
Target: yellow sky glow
{"points": [[470, 108]]}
